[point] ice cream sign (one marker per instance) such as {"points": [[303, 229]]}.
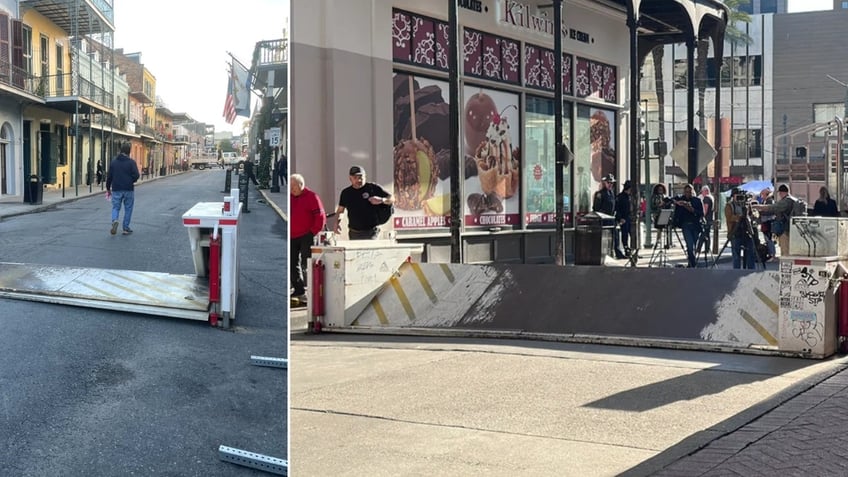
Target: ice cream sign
{"points": [[518, 14]]}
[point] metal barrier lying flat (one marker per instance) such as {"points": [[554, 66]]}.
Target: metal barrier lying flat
{"points": [[160, 294]]}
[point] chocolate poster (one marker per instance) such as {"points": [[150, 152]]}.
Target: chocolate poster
{"points": [[492, 157], [421, 152]]}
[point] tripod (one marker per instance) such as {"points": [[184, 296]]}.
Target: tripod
{"points": [[703, 249], [659, 255], [750, 236]]}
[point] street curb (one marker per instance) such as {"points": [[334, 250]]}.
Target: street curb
{"points": [[273, 205]]}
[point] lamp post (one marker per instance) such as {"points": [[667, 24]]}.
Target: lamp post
{"points": [[643, 130]]}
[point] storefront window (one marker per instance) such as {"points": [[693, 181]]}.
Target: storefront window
{"points": [[594, 153], [539, 159], [492, 159]]}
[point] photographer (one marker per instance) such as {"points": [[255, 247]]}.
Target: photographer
{"points": [[688, 215], [737, 213]]}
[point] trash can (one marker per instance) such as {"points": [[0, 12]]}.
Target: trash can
{"points": [[590, 242], [36, 190]]}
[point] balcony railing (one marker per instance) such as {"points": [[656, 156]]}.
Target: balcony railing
{"points": [[17, 78], [272, 52], [59, 86]]}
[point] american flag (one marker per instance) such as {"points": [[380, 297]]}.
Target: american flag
{"points": [[229, 104]]}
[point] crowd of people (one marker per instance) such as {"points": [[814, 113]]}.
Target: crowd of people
{"points": [[756, 225]]}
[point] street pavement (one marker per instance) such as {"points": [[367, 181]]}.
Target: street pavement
{"points": [[393, 405], [105, 392], [372, 405]]}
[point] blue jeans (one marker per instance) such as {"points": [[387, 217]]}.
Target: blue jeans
{"points": [[741, 245], [126, 197], [691, 232]]}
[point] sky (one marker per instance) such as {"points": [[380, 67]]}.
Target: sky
{"points": [[809, 5], [184, 44]]}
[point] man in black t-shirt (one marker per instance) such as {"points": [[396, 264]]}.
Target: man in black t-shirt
{"points": [[361, 200]]}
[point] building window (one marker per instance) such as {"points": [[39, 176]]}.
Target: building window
{"points": [[738, 71], [539, 166], [768, 6], [27, 49], [60, 70], [824, 112], [747, 143], [45, 56], [594, 153]]}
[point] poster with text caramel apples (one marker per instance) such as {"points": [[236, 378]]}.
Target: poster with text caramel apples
{"points": [[491, 157], [421, 152]]}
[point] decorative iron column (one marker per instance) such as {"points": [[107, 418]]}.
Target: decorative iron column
{"points": [[453, 81]]}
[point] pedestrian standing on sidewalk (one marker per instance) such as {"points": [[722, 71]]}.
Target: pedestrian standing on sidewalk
{"points": [[622, 218], [120, 180], [361, 200], [99, 172], [689, 215], [307, 219]]}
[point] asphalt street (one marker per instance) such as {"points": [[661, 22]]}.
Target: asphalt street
{"points": [[93, 392]]}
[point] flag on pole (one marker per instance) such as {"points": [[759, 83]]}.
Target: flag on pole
{"points": [[241, 89], [229, 104]]}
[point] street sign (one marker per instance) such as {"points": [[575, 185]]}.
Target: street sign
{"points": [[706, 153], [275, 136]]}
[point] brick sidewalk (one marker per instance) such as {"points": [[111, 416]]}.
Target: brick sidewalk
{"points": [[803, 435]]}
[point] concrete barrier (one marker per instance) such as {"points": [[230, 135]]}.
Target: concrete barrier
{"points": [[689, 308]]}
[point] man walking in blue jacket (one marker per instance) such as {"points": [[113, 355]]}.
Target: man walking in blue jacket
{"points": [[120, 180]]}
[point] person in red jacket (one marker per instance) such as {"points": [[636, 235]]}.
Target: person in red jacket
{"points": [[306, 219]]}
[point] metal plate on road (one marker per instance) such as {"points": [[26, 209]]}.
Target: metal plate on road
{"points": [[161, 294]]}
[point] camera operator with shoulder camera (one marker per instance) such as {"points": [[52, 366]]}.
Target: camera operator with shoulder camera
{"points": [[782, 210], [740, 230], [688, 215]]}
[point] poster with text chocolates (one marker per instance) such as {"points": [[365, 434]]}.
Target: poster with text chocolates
{"points": [[491, 157], [421, 155]]}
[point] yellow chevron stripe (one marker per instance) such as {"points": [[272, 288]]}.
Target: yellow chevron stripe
{"points": [[447, 272], [381, 313], [758, 327], [404, 300], [766, 300], [424, 282]]}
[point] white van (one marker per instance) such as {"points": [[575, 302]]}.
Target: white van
{"points": [[230, 158]]}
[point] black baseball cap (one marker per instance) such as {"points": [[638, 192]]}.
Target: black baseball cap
{"points": [[356, 171]]}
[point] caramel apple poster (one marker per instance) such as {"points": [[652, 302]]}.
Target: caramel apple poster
{"points": [[492, 157], [421, 153]]}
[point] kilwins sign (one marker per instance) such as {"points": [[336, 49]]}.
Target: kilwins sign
{"points": [[518, 14]]}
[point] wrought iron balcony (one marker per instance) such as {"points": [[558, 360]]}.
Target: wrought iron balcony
{"points": [[77, 17], [18, 79], [268, 56], [65, 90]]}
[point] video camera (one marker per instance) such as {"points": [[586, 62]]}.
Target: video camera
{"points": [[743, 196]]}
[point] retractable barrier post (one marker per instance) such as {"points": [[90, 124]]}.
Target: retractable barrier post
{"points": [[317, 289]]}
